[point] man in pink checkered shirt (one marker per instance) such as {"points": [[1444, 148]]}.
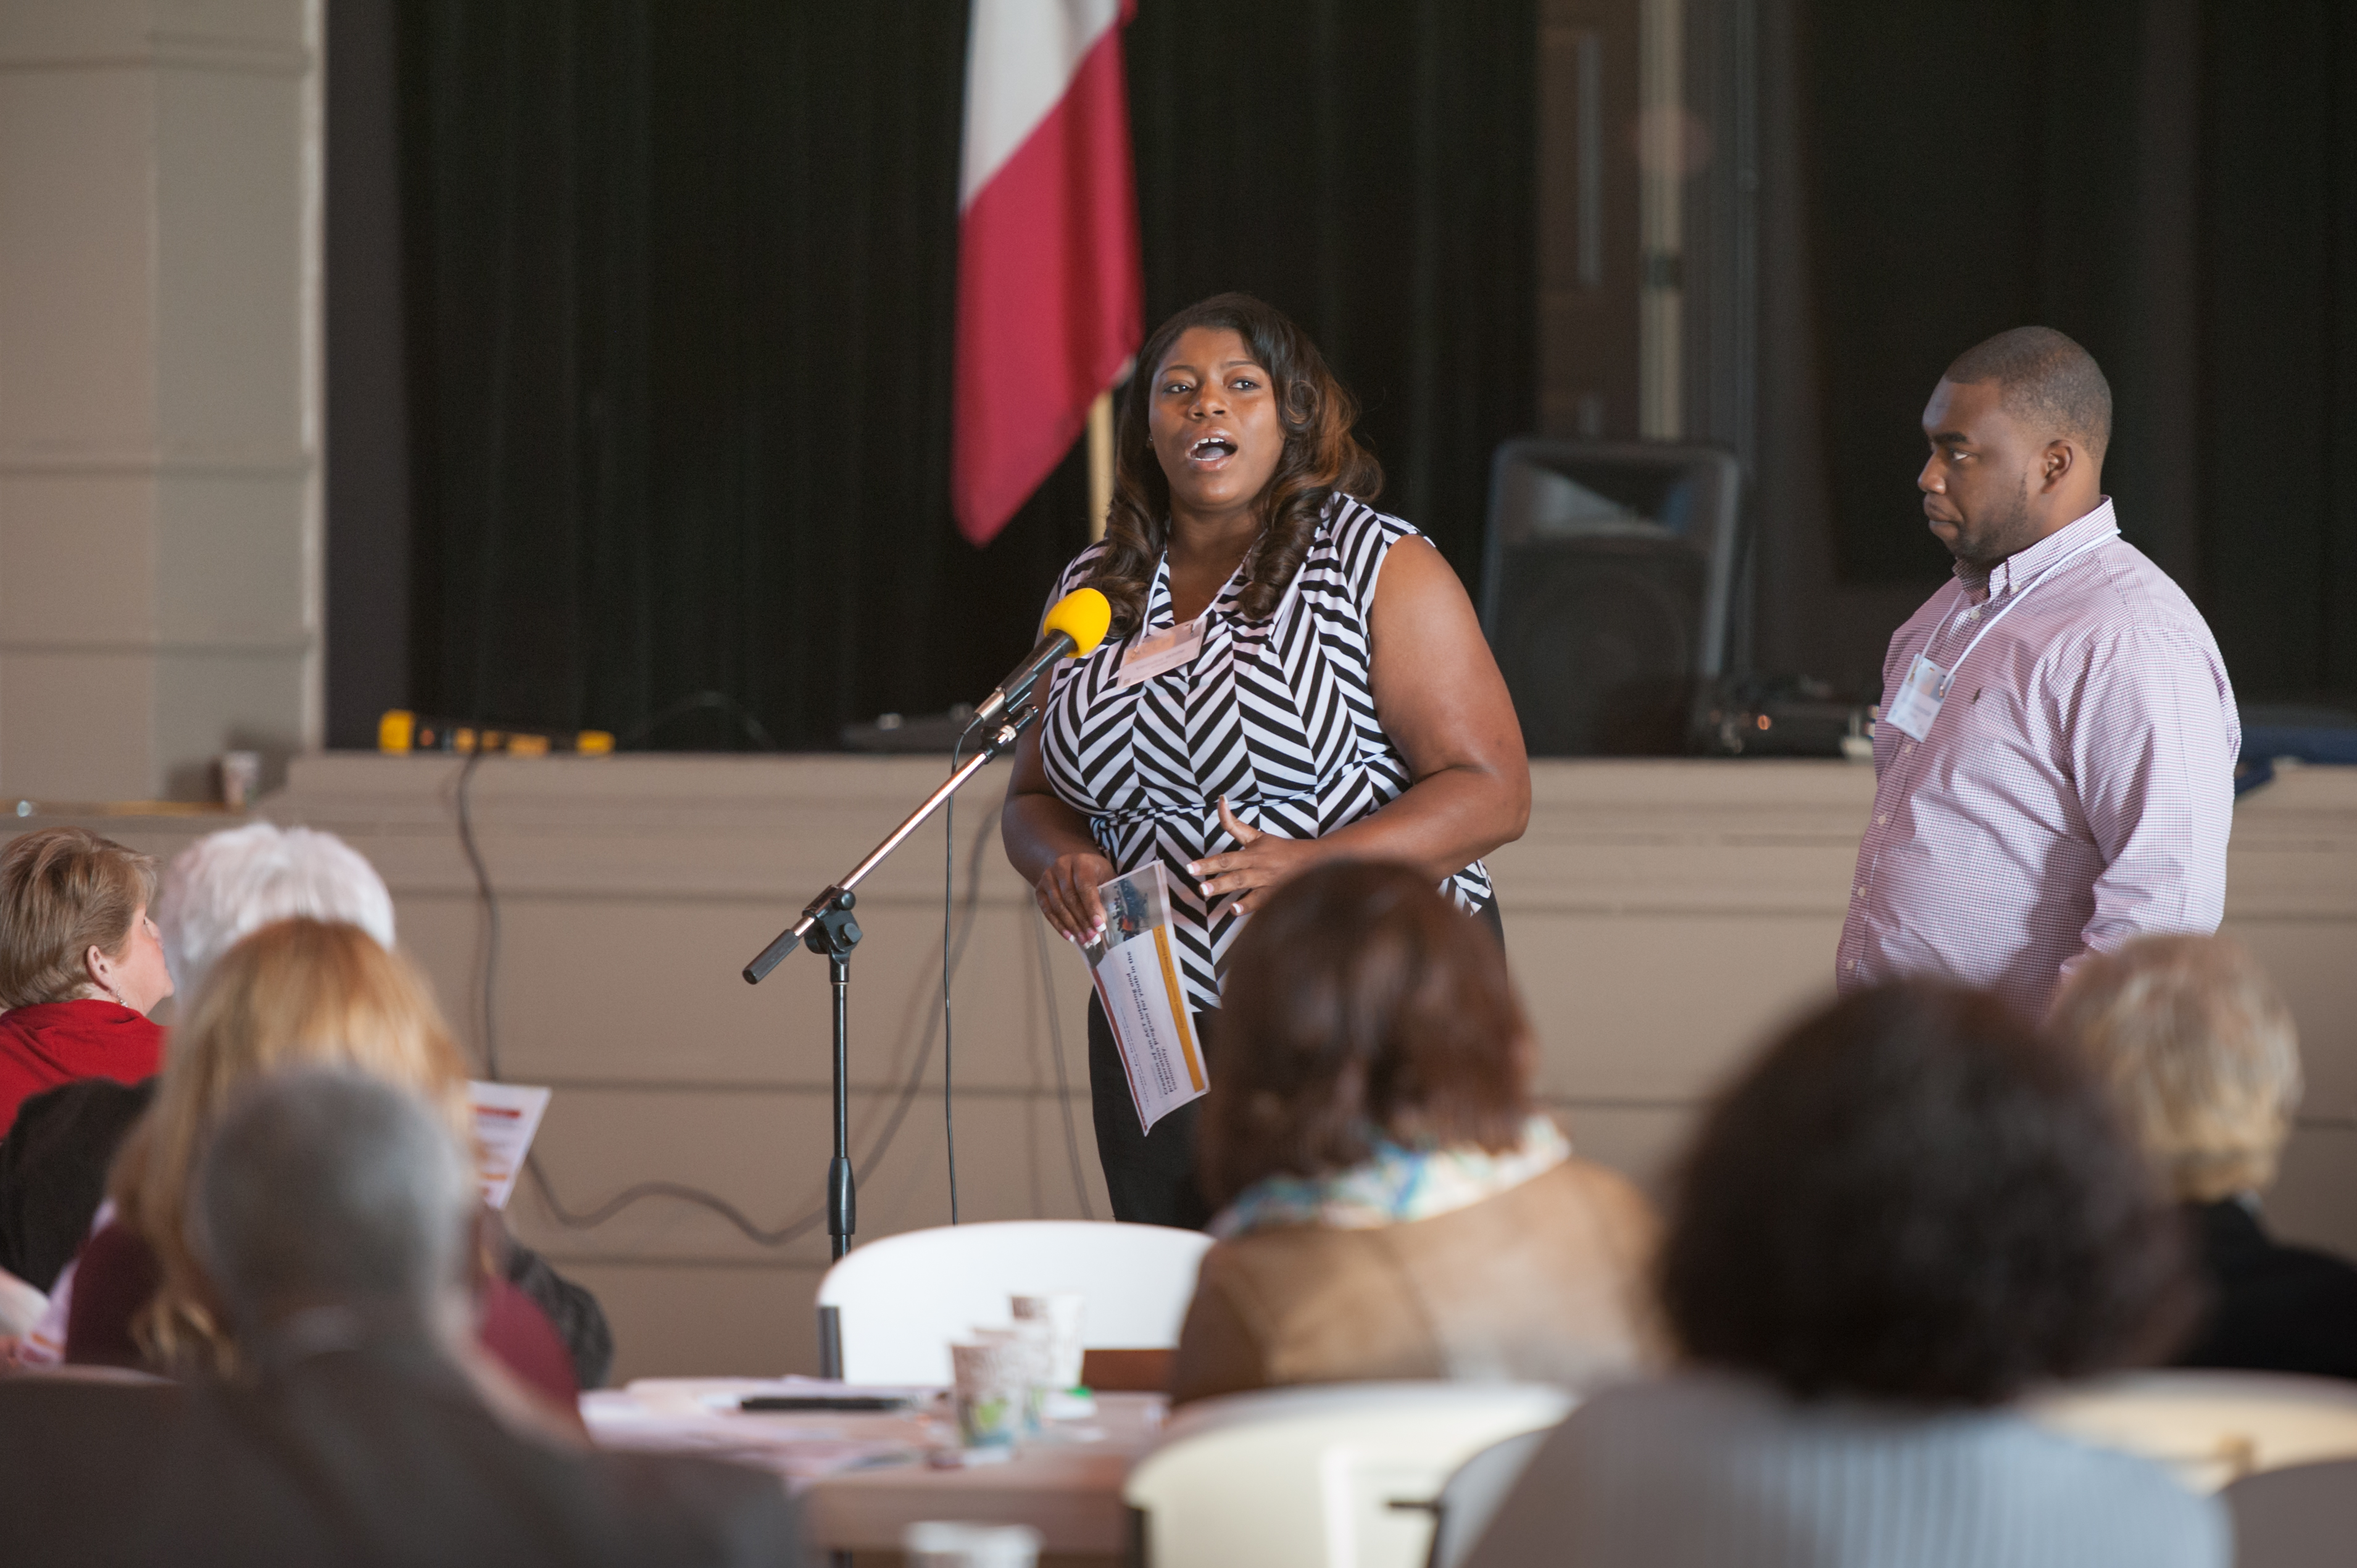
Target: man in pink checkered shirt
{"points": [[2054, 761]]}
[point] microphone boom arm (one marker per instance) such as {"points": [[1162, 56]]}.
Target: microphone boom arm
{"points": [[838, 896], [827, 927]]}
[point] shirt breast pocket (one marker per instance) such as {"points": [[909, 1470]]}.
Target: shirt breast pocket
{"points": [[1994, 716]]}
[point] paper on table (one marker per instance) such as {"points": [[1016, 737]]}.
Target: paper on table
{"points": [[799, 1449], [506, 1117], [794, 1385], [1136, 976]]}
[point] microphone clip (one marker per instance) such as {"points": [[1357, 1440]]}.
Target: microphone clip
{"points": [[1004, 731]]}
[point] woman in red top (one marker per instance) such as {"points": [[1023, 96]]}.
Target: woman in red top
{"points": [[80, 964]]}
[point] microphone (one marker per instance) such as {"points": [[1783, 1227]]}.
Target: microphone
{"points": [[1075, 625]]}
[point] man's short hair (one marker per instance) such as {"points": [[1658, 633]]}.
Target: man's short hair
{"points": [[2047, 382], [2201, 1050], [1914, 1196], [326, 1186], [64, 891], [228, 884]]}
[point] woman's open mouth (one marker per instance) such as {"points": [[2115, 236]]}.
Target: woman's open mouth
{"points": [[1212, 451]]}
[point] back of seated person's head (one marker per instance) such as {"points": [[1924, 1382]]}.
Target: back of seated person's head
{"points": [[230, 883], [1913, 1196], [1360, 1003], [63, 891], [2202, 1052], [324, 1188], [299, 993]]}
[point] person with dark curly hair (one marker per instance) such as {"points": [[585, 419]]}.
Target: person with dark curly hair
{"points": [[1910, 1212], [1291, 675], [1395, 1204]]}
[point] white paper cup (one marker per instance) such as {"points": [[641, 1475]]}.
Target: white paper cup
{"points": [[1034, 1360], [992, 1388], [941, 1543], [1062, 1313], [238, 774]]}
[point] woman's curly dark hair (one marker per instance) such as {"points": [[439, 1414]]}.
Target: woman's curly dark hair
{"points": [[1914, 1196], [1321, 457]]}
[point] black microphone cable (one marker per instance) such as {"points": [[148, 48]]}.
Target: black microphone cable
{"points": [[1056, 1044], [949, 894]]}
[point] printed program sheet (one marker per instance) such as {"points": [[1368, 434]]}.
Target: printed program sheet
{"points": [[1136, 975]]}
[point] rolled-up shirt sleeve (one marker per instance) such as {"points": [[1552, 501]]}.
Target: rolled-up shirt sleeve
{"points": [[2152, 749]]}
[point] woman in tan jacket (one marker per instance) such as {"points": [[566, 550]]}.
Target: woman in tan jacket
{"points": [[1393, 1204]]}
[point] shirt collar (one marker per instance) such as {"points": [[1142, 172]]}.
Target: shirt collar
{"points": [[2024, 565], [1160, 613]]}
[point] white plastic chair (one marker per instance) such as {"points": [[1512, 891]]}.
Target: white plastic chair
{"points": [[2304, 1516], [903, 1300], [1344, 1475], [1471, 1495], [2210, 1428]]}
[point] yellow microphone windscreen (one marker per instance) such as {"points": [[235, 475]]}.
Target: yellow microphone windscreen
{"points": [[1083, 615]]}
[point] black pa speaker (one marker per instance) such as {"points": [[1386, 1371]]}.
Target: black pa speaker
{"points": [[1605, 589]]}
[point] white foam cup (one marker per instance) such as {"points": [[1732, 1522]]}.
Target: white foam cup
{"points": [[1062, 1313]]}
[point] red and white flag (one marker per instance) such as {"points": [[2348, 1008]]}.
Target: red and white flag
{"points": [[1049, 297]]}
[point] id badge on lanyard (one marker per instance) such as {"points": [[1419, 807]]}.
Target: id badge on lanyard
{"points": [[1926, 686], [1919, 699], [1163, 651]]}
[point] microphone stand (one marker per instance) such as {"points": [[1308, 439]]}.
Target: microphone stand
{"points": [[827, 927]]}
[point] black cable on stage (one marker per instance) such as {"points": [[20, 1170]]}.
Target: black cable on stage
{"points": [[474, 854], [949, 896], [915, 1081], [563, 1215], [1056, 1042], [647, 1189], [746, 720]]}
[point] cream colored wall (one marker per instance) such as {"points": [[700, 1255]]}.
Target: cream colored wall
{"points": [[159, 390], [1662, 917]]}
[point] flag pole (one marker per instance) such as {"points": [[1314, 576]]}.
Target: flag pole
{"points": [[1100, 463]]}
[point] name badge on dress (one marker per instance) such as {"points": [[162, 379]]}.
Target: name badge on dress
{"points": [[1163, 650], [1919, 699]]}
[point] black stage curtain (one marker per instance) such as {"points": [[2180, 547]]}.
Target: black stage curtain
{"points": [[680, 284], [2172, 182]]}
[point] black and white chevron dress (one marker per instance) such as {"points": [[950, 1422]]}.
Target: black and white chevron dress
{"points": [[1277, 716]]}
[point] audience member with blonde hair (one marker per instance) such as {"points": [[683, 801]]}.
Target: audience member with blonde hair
{"points": [[53, 1172], [335, 1213], [81, 964], [53, 1163], [2204, 1058], [299, 993], [1395, 1203]]}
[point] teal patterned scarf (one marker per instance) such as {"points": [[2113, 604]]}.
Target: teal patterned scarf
{"points": [[1395, 1185]]}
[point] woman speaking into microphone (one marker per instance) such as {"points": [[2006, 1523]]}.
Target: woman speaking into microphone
{"points": [[1291, 676]]}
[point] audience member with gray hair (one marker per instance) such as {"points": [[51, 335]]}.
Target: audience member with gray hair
{"points": [[218, 891], [329, 1189], [230, 883], [53, 1162], [334, 1212]]}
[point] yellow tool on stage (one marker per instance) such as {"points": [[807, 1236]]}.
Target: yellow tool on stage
{"points": [[400, 732]]}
